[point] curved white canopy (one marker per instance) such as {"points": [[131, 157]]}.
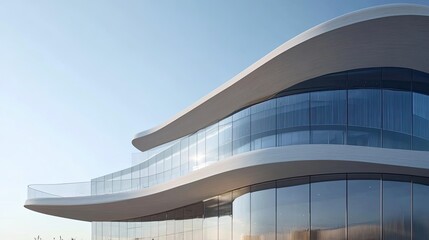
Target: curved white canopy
{"points": [[236, 172], [385, 36]]}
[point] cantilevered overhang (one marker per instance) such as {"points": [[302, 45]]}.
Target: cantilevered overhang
{"points": [[238, 171], [386, 36]]}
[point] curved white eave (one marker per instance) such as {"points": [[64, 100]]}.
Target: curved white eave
{"points": [[238, 171], [391, 35]]}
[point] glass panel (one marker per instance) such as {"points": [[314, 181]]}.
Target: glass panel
{"points": [[396, 78], [241, 213], [364, 78], [154, 229], [99, 230], [263, 214], [327, 136], [420, 122], [293, 119], [125, 179], [100, 187], [178, 224], [146, 229], [162, 229], [193, 160], [263, 124], [175, 159], [116, 182], [160, 169], [328, 210], [170, 223], [184, 156], [131, 230], [144, 173], [364, 117], [328, 108], [115, 230], [396, 119], [328, 116], [135, 177], [225, 138], [201, 147], [364, 209], [210, 225], [123, 233], [420, 212], [167, 159], [106, 231], [197, 226], [138, 230], [293, 212], [225, 216], [420, 82], [329, 81], [212, 144], [293, 138], [241, 132], [94, 231], [396, 210], [193, 225]]}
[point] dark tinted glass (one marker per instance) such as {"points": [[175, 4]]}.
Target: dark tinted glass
{"points": [[326, 82], [364, 78], [396, 78], [421, 82]]}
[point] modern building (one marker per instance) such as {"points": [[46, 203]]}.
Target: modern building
{"points": [[326, 137]]}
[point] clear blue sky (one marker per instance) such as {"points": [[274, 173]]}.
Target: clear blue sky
{"points": [[79, 78]]}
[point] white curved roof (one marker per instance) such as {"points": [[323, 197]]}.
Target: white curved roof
{"points": [[390, 35]]}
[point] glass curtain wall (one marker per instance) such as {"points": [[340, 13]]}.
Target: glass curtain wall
{"points": [[375, 107], [328, 117], [340, 206]]}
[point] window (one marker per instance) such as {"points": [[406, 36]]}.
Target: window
{"points": [[364, 117], [293, 119], [396, 119], [364, 210], [396, 210], [263, 124], [328, 210], [293, 209]]}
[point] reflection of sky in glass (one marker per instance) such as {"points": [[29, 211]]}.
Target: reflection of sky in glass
{"points": [[328, 205]]}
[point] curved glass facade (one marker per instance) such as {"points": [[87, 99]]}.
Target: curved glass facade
{"points": [[376, 107], [331, 207]]}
